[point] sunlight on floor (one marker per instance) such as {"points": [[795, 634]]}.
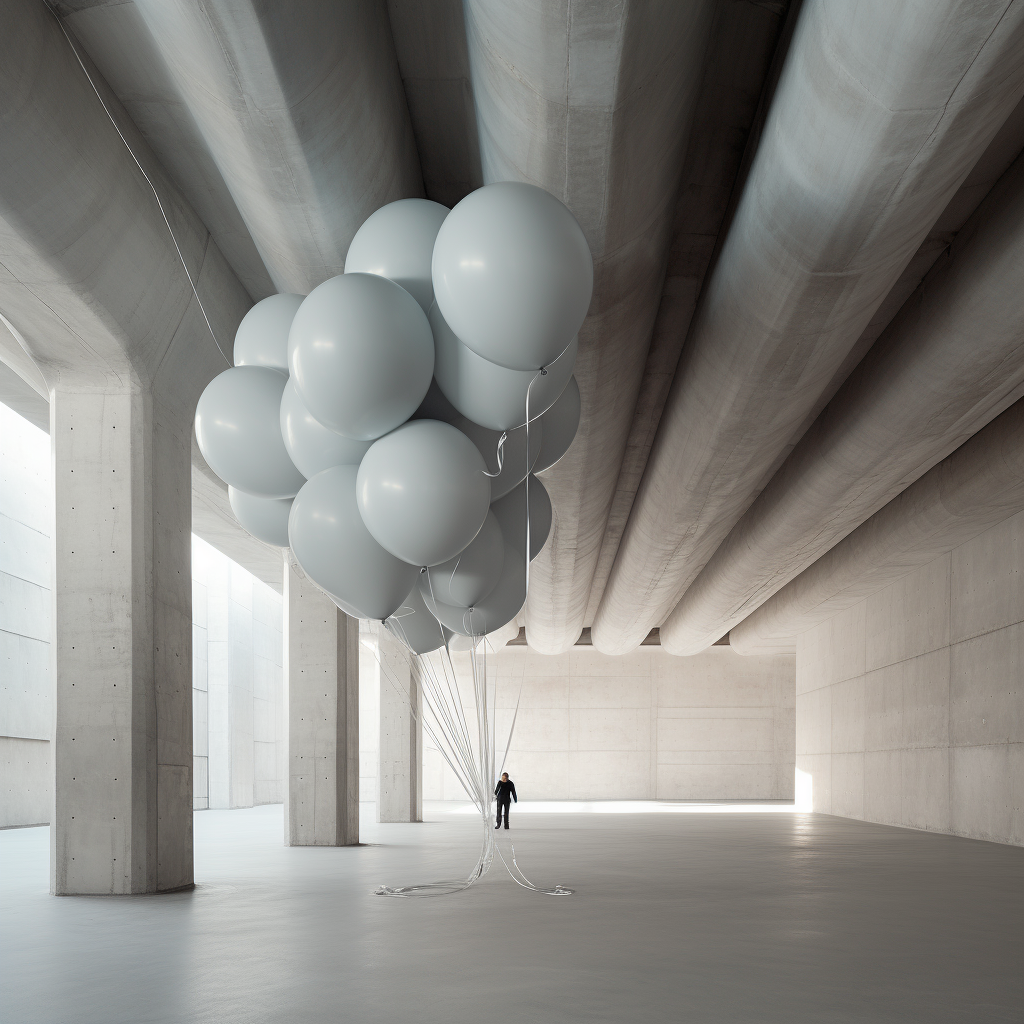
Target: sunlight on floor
{"points": [[623, 807]]}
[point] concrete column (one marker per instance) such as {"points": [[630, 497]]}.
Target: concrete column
{"points": [[122, 644], [321, 664], [230, 682], [399, 775]]}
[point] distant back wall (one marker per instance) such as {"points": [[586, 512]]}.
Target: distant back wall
{"points": [[644, 726]]}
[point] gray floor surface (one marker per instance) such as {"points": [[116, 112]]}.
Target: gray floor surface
{"points": [[677, 917]]}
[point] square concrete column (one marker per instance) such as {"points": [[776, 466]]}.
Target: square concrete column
{"points": [[399, 773], [122, 644], [321, 665]]}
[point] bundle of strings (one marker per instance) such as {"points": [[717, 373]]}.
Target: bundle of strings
{"points": [[467, 744]]}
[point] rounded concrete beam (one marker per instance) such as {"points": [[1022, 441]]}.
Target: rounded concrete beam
{"points": [[303, 111], [879, 115], [91, 279], [744, 59], [593, 104], [951, 361], [975, 488], [116, 38]]}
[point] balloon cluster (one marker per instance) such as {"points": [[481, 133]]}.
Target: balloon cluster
{"points": [[387, 426]]}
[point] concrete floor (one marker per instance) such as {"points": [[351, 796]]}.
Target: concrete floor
{"points": [[698, 917]]}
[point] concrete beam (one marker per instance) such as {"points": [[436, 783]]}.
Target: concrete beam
{"points": [[745, 46], [980, 485], [77, 279], [430, 41], [918, 395], [117, 39], [303, 112], [23, 398], [991, 166], [595, 105], [14, 355], [877, 120]]}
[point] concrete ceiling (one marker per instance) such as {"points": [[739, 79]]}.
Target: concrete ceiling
{"points": [[798, 214]]}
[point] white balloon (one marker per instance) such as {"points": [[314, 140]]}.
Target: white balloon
{"points": [[510, 512], [361, 354], [513, 274], [265, 518], [513, 462], [503, 634], [499, 607], [560, 424], [337, 552], [238, 426], [473, 573], [487, 393], [436, 407], [415, 625], [513, 468], [262, 336], [312, 446], [397, 242], [423, 492]]}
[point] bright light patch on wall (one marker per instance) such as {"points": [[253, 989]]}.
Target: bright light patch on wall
{"points": [[630, 807], [804, 791]]}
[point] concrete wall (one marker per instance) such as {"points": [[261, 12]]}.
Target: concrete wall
{"points": [[26, 704], [910, 705], [237, 684], [642, 726]]}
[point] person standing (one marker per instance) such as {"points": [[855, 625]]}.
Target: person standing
{"points": [[505, 791]]}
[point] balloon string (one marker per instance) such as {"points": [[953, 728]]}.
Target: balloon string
{"points": [[557, 890], [501, 456], [542, 372], [453, 743], [149, 181]]}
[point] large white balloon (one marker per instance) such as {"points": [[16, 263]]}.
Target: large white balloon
{"points": [[262, 336], [238, 426], [514, 465], [436, 407], [423, 492], [415, 625], [503, 634], [312, 446], [397, 242], [361, 354], [337, 552], [513, 274], [473, 573], [499, 607], [487, 393], [560, 424], [510, 512], [265, 518]]}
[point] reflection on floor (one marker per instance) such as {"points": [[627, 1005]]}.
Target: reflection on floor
{"points": [[697, 916]]}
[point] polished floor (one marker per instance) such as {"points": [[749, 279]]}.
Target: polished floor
{"points": [[700, 917]]}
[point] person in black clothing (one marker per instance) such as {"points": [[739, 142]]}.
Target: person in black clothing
{"points": [[505, 791]]}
